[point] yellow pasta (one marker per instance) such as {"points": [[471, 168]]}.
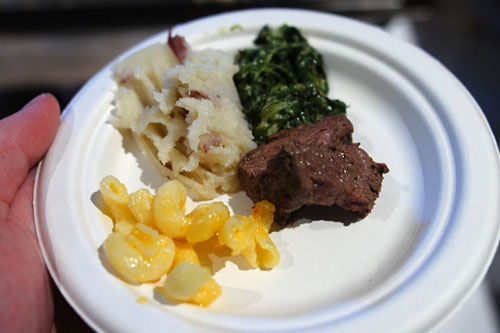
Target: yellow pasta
{"points": [[237, 233], [263, 212], [140, 204], [125, 227], [207, 293], [143, 255], [249, 237], [184, 252], [250, 254], [115, 195], [268, 255], [153, 236], [205, 220], [169, 209], [185, 280], [208, 247]]}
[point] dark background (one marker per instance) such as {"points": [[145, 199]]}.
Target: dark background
{"points": [[56, 45]]}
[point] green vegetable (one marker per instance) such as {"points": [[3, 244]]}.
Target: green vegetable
{"points": [[282, 83]]}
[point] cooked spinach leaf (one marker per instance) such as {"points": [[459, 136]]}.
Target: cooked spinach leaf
{"points": [[282, 83]]}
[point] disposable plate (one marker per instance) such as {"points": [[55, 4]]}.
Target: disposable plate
{"points": [[423, 249]]}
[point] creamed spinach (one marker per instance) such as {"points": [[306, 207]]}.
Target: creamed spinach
{"points": [[282, 83]]}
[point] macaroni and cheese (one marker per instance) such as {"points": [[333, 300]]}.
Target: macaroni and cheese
{"points": [[153, 236]]}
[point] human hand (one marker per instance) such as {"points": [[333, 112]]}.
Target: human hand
{"points": [[25, 297]]}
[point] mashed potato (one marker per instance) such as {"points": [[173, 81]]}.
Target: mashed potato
{"points": [[186, 117]]}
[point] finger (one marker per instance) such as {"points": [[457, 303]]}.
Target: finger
{"points": [[24, 138], [21, 209]]}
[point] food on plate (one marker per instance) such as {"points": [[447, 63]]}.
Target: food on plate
{"points": [[248, 236], [312, 164], [153, 237], [282, 83], [169, 209], [189, 282], [142, 255], [184, 252], [205, 220], [306, 155], [182, 107]]}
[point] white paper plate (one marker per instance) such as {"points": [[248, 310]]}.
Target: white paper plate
{"points": [[415, 258]]}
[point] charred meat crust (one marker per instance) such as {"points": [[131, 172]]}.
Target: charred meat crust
{"points": [[312, 164]]}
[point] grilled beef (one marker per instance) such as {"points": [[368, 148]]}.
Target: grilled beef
{"points": [[312, 164]]}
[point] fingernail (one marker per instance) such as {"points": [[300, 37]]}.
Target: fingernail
{"points": [[35, 101]]}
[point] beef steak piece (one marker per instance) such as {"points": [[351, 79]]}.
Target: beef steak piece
{"points": [[312, 164]]}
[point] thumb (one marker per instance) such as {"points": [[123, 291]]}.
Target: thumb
{"points": [[24, 138]]}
